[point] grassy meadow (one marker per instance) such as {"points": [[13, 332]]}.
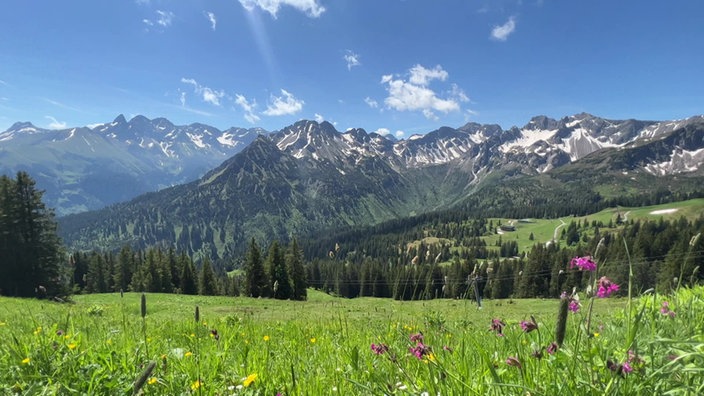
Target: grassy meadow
{"points": [[102, 345]]}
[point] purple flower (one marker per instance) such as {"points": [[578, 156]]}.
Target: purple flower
{"points": [[583, 263], [665, 310], [379, 349], [528, 326], [419, 350], [417, 337], [619, 369], [606, 287], [574, 306], [538, 353], [513, 361], [497, 326], [552, 348], [627, 368]]}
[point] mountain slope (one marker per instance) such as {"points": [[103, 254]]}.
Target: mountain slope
{"points": [[309, 178]]}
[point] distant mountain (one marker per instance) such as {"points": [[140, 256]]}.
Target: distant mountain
{"points": [[89, 168], [308, 178]]}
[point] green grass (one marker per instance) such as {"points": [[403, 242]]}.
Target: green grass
{"points": [[101, 345]]}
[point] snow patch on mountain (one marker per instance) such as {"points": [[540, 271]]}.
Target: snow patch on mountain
{"points": [[681, 161], [528, 139]]}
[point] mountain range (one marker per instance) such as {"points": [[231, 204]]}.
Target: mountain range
{"points": [[88, 168], [309, 178]]}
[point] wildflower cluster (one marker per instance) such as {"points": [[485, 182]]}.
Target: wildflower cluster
{"points": [[419, 350]]}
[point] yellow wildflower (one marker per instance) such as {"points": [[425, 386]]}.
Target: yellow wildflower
{"points": [[250, 378], [196, 385], [38, 330], [25, 361], [596, 334], [71, 346], [109, 341], [152, 381], [266, 338], [188, 354], [3, 323], [312, 340]]}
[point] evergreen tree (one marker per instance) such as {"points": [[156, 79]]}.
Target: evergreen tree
{"points": [[277, 272], [296, 271], [124, 269], [188, 285], [207, 283], [29, 245], [256, 280]]}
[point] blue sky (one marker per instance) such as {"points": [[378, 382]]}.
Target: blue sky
{"points": [[395, 66]]}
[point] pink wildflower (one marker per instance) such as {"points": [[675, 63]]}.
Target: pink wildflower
{"points": [[497, 326], [583, 263], [606, 287], [379, 349], [528, 326], [420, 350], [552, 348], [665, 310]]}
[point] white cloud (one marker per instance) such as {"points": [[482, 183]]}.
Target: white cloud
{"points": [[416, 95], [319, 118], [383, 131], [502, 32], [422, 76], [310, 7], [283, 105], [371, 102], [55, 124], [212, 19], [182, 98], [352, 59], [248, 107], [399, 134], [164, 18], [2, 82], [209, 95]]}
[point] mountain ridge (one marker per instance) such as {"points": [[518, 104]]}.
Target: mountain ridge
{"points": [[309, 177]]}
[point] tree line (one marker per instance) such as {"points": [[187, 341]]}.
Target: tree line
{"points": [[662, 254]]}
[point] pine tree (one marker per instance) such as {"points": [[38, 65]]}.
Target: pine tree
{"points": [[296, 272], [256, 280], [207, 283], [29, 245], [188, 276], [277, 272]]}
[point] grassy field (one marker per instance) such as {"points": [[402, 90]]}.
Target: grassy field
{"points": [[101, 344]]}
